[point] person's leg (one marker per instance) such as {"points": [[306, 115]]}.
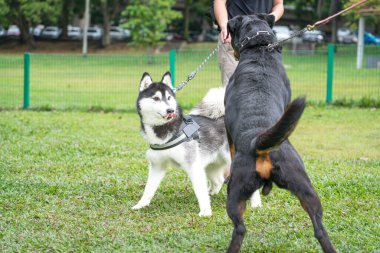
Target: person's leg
{"points": [[227, 62]]}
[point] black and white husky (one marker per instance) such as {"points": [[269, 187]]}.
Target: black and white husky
{"points": [[196, 142]]}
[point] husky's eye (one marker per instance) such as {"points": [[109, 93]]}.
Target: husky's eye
{"points": [[169, 97], [156, 98]]}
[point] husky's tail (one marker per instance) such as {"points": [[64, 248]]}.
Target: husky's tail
{"points": [[274, 136], [212, 105]]}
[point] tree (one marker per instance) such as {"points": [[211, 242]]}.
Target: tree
{"points": [[67, 7], [334, 8], [4, 9], [25, 13], [109, 9], [148, 19], [198, 8], [352, 17]]}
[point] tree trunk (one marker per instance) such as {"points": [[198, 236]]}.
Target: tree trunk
{"points": [[187, 19], [334, 8], [66, 9], [25, 36], [106, 40], [150, 55], [319, 8], [377, 28]]}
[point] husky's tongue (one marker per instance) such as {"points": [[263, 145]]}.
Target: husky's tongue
{"points": [[171, 115]]}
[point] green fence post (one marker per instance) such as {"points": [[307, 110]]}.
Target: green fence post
{"points": [[330, 72], [26, 80], [172, 58]]}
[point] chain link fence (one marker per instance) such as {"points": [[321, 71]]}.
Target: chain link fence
{"points": [[111, 81]]}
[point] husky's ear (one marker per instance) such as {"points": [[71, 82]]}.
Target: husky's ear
{"points": [[234, 24], [269, 18], [167, 79], [146, 80]]}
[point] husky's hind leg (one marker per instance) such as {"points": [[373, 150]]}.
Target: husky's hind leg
{"points": [[216, 180]]}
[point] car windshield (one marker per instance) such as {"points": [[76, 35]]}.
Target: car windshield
{"points": [[281, 29], [314, 32]]}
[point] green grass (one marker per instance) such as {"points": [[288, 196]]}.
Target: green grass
{"points": [[68, 181], [111, 81]]}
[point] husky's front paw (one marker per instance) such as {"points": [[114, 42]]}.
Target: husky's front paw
{"points": [[141, 204], [205, 213]]}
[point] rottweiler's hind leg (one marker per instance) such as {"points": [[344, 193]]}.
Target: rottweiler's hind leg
{"points": [[299, 184], [240, 188]]}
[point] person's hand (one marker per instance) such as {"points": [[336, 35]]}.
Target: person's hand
{"points": [[224, 36]]}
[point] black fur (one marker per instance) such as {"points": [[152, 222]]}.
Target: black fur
{"points": [[259, 118]]}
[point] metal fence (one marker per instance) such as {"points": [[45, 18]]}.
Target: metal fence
{"points": [[111, 81]]}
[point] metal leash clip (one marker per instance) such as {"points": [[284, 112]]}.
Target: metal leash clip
{"points": [[262, 32]]}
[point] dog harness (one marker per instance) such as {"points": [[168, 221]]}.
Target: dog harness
{"points": [[189, 132]]}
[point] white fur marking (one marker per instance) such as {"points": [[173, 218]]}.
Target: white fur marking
{"points": [[255, 199], [166, 79], [212, 105], [145, 82]]}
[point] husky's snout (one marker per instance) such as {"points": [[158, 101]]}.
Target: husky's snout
{"points": [[170, 113]]}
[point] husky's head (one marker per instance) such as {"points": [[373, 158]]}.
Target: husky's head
{"points": [[156, 103]]}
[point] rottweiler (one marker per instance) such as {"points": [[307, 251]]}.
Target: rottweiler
{"points": [[259, 118]]}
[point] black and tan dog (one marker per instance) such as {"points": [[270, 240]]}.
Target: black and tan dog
{"points": [[259, 119]]}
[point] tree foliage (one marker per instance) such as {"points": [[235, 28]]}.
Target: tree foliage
{"points": [[352, 17], [33, 11], [4, 9], [24, 13], [148, 19]]}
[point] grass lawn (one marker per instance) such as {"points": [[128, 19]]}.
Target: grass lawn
{"points": [[68, 181]]}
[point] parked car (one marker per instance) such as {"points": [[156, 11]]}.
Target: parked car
{"points": [[369, 38], [94, 33], [2, 32], [74, 33], [282, 32], [51, 32], [13, 30], [211, 35], [345, 35], [36, 31], [167, 36], [118, 33], [316, 36]]}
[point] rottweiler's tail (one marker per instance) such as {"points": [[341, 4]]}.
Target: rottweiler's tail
{"points": [[274, 136]]}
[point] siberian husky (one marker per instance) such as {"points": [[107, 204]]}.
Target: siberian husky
{"points": [[203, 157], [175, 140]]}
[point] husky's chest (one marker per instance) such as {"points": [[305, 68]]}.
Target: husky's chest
{"points": [[179, 156]]}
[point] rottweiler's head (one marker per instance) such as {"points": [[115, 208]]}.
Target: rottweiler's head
{"points": [[258, 27]]}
